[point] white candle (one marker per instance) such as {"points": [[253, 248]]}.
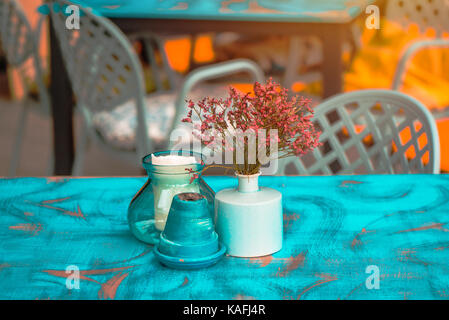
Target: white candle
{"points": [[172, 160], [163, 196]]}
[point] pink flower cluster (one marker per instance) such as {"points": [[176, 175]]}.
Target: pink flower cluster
{"points": [[270, 107]]}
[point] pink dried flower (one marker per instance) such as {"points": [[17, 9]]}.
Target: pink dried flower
{"points": [[269, 108], [193, 176]]}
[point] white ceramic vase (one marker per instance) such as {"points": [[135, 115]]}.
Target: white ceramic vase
{"points": [[248, 219]]}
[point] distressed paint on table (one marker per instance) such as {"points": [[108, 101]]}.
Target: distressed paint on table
{"points": [[336, 11], [334, 228]]}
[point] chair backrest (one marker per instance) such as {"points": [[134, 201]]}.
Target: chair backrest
{"points": [[425, 13], [16, 35], [371, 131], [103, 68], [19, 43]]}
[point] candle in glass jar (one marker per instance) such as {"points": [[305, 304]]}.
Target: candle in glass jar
{"points": [[164, 192]]}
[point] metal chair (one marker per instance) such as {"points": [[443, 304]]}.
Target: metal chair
{"points": [[426, 14], [108, 83], [19, 42], [371, 132]]}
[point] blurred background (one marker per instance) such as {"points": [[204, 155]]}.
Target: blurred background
{"points": [[370, 59]]}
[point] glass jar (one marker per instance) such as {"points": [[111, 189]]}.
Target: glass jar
{"points": [[148, 210]]}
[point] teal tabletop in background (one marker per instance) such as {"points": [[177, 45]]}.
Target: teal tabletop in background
{"points": [[334, 228], [334, 11]]}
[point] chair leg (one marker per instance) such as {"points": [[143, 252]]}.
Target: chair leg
{"points": [[293, 61], [17, 147], [51, 164], [80, 152]]}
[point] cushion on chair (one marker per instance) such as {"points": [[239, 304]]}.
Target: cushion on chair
{"points": [[118, 127]]}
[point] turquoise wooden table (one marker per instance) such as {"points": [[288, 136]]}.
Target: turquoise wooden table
{"points": [[338, 11], [334, 229]]}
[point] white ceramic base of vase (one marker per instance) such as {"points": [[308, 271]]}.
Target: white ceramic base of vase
{"points": [[249, 224]]}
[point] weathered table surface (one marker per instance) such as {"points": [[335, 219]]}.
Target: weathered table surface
{"points": [[335, 11], [334, 228]]}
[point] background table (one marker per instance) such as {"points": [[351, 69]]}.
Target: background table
{"points": [[334, 228], [329, 20]]}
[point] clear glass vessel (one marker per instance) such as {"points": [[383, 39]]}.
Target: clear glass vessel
{"points": [[148, 210]]}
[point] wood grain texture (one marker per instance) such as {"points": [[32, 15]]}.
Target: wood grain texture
{"points": [[334, 227]]}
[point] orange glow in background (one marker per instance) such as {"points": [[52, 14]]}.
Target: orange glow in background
{"points": [[179, 51]]}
